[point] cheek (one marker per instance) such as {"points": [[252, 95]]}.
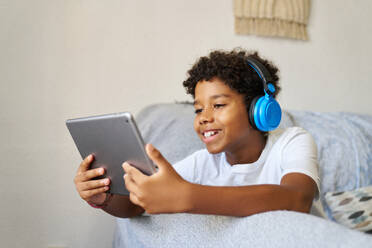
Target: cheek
{"points": [[235, 120], [196, 124], [228, 118]]}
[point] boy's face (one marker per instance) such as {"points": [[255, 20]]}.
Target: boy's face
{"points": [[221, 120]]}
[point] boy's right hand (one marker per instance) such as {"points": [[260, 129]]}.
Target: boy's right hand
{"points": [[92, 191]]}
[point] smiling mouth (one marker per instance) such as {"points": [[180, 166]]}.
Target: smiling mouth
{"points": [[208, 136]]}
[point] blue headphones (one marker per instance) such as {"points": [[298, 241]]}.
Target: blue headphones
{"points": [[264, 111]]}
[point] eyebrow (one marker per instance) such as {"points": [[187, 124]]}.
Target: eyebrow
{"points": [[215, 97]]}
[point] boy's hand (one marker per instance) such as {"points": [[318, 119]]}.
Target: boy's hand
{"points": [[163, 192], [90, 190]]}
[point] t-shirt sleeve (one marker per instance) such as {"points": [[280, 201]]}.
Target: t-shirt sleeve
{"points": [[300, 156]]}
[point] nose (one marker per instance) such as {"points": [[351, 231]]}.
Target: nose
{"points": [[206, 117]]}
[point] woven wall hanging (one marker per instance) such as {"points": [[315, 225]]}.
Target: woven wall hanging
{"points": [[280, 18]]}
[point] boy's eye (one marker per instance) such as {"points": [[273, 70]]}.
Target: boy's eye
{"points": [[219, 105], [197, 111]]}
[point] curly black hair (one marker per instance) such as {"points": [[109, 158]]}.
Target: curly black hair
{"points": [[233, 69]]}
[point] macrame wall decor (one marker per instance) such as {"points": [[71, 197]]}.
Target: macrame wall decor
{"points": [[280, 18]]}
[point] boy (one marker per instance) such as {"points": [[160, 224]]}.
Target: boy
{"points": [[243, 170]]}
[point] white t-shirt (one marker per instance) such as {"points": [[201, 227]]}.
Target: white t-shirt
{"points": [[286, 151]]}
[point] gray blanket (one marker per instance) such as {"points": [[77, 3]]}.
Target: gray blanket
{"points": [[270, 229]]}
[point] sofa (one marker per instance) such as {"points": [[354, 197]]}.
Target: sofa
{"points": [[344, 142]]}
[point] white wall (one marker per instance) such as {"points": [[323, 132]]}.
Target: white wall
{"points": [[64, 59]]}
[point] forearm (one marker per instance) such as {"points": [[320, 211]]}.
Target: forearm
{"points": [[121, 206], [245, 200]]}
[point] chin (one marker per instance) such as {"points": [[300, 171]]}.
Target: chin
{"points": [[214, 150]]}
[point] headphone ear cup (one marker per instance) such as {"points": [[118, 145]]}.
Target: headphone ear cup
{"points": [[252, 107], [267, 114]]}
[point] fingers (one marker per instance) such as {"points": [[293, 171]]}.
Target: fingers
{"points": [[88, 175], [135, 175], [130, 184], [156, 156], [85, 164], [84, 183], [94, 184], [87, 189], [88, 194], [91, 190], [134, 199]]}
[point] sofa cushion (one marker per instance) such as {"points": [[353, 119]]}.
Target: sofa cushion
{"points": [[169, 127], [344, 143]]}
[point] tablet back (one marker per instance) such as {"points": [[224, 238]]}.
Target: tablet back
{"points": [[113, 139]]}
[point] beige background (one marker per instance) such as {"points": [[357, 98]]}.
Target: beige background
{"points": [[64, 59]]}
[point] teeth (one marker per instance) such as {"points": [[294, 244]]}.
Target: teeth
{"points": [[209, 133]]}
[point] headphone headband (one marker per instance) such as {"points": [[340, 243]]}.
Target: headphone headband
{"points": [[264, 111], [262, 72]]}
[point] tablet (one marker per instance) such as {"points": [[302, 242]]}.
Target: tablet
{"points": [[113, 139]]}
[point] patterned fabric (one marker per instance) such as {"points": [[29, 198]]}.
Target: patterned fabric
{"points": [[352, 208]]}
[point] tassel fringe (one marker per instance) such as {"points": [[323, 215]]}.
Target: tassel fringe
{"points": [[280, 18], [271, 27]]}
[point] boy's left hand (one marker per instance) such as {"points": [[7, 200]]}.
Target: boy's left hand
{"points": [[163, 192]]}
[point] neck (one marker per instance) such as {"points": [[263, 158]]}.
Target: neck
{"points": [[249, 153]]}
